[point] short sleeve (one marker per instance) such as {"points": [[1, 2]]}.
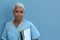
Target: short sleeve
{"points": [[35, 33], [4, 33]]}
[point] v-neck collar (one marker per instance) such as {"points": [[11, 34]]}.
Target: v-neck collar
{"points": [[18, 27]]}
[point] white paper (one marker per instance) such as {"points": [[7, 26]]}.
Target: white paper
{"points": [[27, 34]]}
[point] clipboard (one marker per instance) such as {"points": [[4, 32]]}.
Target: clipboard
{"points": [[27, 34]]}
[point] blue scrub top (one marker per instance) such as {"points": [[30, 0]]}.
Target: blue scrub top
{"points": [[11, 32]]}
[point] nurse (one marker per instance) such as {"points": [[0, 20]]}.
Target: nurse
{"points": [[17, 29]]}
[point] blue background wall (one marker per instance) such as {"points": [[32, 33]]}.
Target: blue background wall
{"points": [[45, 14]]}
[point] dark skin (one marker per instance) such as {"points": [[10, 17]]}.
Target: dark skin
{"points": [[19, 14]]}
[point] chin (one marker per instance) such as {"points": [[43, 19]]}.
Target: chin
{"points": [[19, 19]]}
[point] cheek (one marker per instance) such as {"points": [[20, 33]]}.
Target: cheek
{"points": [[18, 14], [21, 14], [15, 14]]}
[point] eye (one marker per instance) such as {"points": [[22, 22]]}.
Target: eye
{"points": [[17, 11], [21, 11]]}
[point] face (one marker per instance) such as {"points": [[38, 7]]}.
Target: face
{"points": [[18, 13]]}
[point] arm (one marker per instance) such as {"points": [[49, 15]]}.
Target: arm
{"points": [[4, 34], [35, 32]]}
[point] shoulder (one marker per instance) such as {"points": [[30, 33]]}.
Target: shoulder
{"points": [[8, 23], [28, 22]]}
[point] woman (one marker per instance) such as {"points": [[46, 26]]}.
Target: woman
{"points": [[17, 29]]}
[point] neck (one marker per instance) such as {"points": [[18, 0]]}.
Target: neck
{"points": [[18, 21]]}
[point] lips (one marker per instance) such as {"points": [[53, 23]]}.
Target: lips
{"points": [[18, 16]]}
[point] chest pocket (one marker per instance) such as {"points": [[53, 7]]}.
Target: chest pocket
{"points": [[9, 36]]}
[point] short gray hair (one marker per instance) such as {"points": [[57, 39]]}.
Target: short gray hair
{"points": [[19, 5]]}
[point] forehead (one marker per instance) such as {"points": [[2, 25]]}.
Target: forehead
{"points": [[19, 8]]}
